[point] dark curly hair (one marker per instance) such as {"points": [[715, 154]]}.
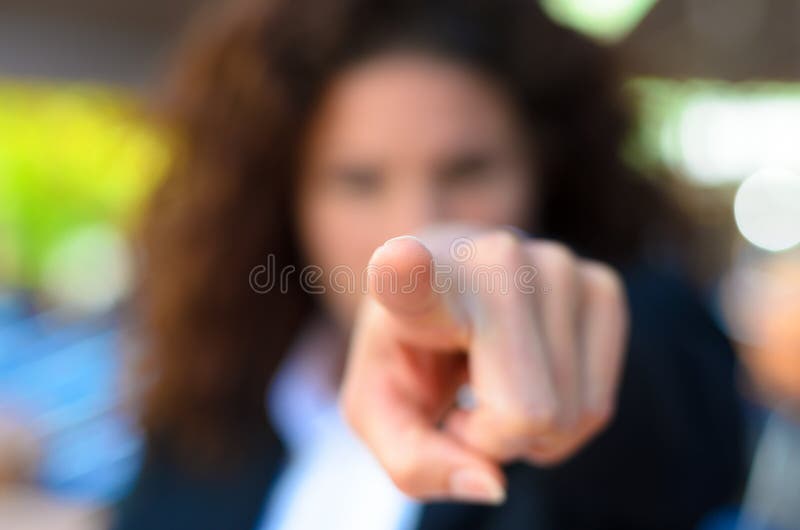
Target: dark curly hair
{"points": [[245, 85]]}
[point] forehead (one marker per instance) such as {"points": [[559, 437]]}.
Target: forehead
{"points": [[412, 99]]}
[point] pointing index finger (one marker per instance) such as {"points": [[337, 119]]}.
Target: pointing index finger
{"points": [[402, 278]]}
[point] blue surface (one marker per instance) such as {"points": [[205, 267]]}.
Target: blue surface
{"points": [[63, 380]]}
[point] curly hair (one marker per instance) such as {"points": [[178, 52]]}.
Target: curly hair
{"points": [[245, 86]]}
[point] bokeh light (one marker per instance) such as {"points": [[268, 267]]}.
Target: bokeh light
{"points": [[602, 19], [726, 138], [767, 209]]}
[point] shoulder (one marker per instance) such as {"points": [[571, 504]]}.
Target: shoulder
{"points": [[677, 345], [661, 298]]}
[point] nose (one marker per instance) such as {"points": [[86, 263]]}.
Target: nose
{"points": [[418, 209]]}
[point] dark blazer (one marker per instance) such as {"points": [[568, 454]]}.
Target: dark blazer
{"points": [[672, 454]]}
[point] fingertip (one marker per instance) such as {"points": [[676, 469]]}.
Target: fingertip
{"points": [[400, 273], [401, 250]]}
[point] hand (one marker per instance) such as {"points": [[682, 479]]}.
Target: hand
{"points": [[543, 366]]}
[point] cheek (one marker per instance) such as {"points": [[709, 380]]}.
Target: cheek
{"points": [[339, 238]]}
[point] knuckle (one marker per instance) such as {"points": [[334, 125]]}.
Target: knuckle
{"points": [[549, 458], [603, 281], [600, 415], [501, 246], [553, 255], [525, 424]]}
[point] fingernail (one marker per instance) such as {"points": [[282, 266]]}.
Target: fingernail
{"points": [[403, 238], [473, 485]]}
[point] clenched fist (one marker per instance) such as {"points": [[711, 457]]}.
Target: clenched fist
{"points": [[536, 334]]}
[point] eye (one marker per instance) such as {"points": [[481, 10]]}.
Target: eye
{"points": [[466, 169], [358, 180]]}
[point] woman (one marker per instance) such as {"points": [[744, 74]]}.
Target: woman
{"points": [[314, 133]]}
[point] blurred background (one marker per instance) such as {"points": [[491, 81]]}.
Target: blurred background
{"points": [[717, 87]]}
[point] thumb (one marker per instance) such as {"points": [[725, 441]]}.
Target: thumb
{"points": [[427, 463]]}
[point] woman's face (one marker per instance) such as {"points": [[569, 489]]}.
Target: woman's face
{"points": [[400, 142]]}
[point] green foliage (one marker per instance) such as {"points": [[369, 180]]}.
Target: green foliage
{"points": [[71, 156]]}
